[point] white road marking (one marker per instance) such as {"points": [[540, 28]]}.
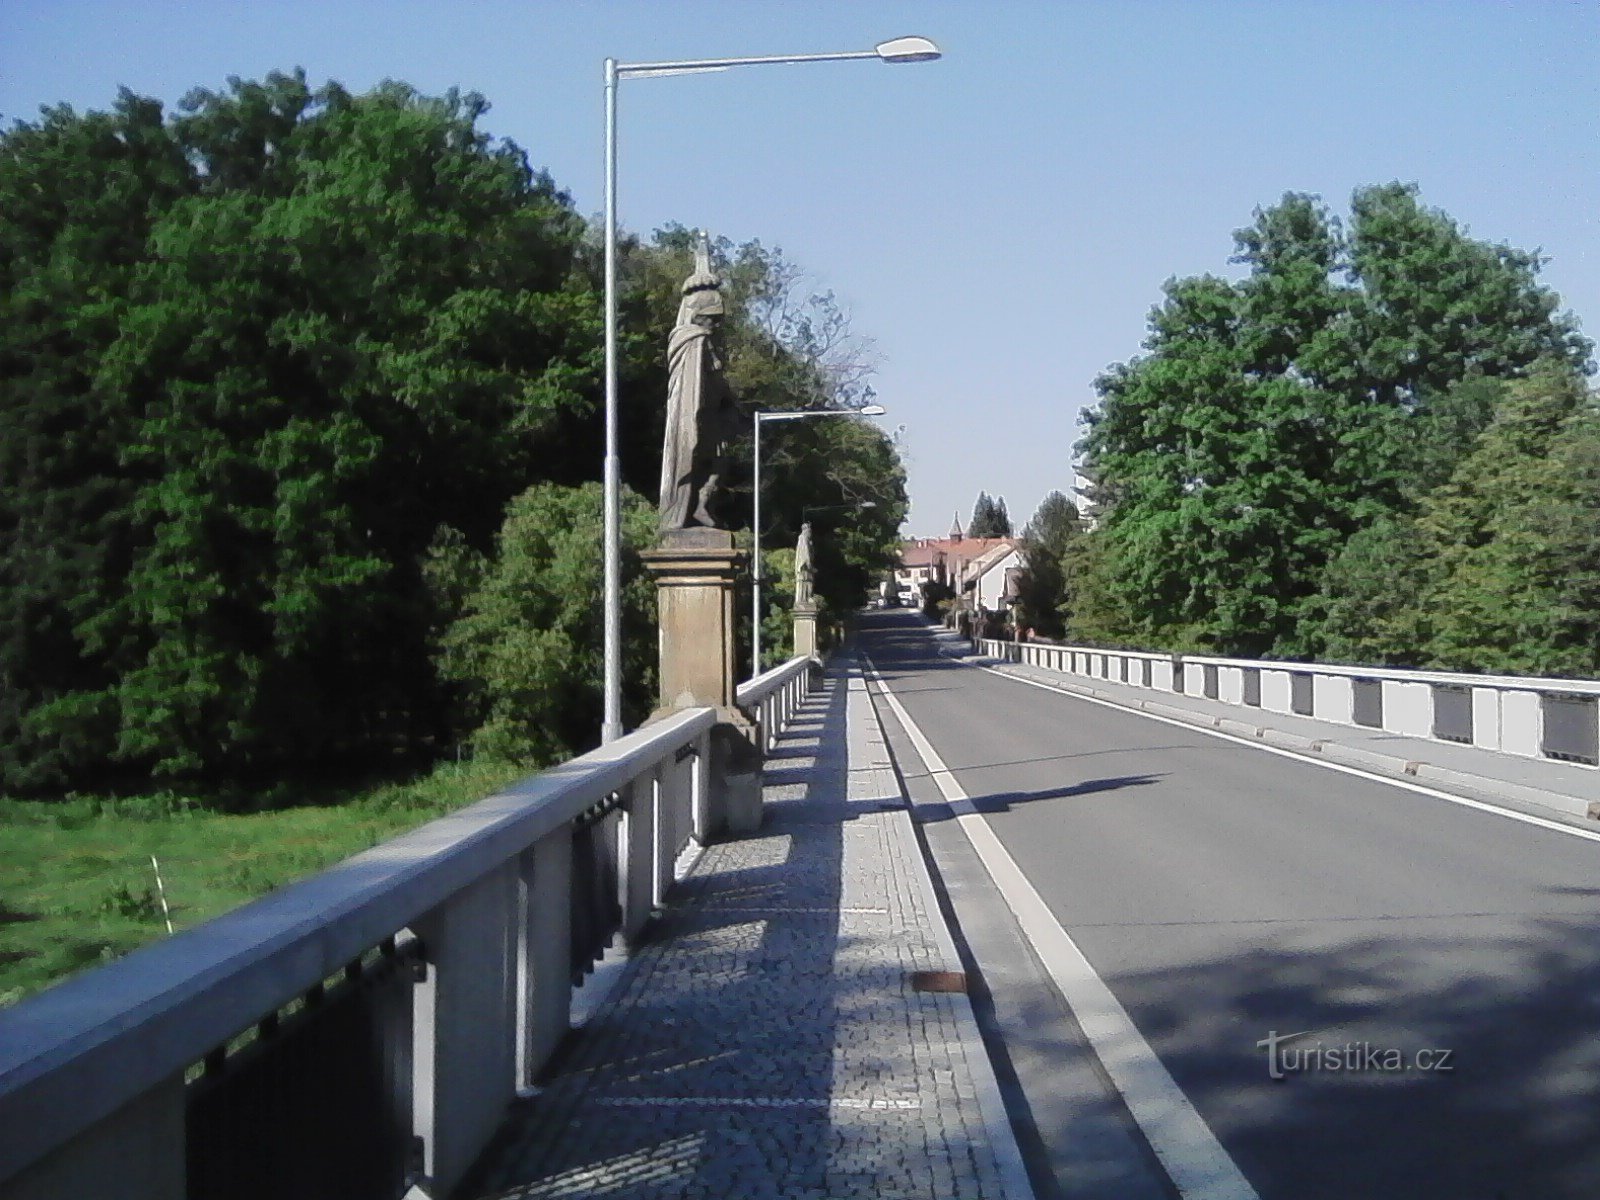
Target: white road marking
{"points": [[1189, 1152], [1423, 789], [817, 912], [862, 1104]]}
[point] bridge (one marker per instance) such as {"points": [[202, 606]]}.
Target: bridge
{"points": [[1008, 920]]}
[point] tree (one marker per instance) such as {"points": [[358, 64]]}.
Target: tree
{"points": [[78, 197], [1369, 609], [273, 367], [1047, 542], [330, 327], [989, 518], [525, 645], [1513, 538], [1272, 419]]}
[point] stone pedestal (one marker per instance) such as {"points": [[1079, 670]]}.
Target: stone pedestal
{"points": [[696, 571], [805, 629]]}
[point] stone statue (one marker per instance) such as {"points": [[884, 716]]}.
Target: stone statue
{"points": [[804, 572], [701, 417]]}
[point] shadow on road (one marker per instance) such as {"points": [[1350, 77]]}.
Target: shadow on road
{"points": [[1509, 986], [999, 802]]}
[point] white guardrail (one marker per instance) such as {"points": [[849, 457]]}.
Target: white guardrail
{"points": [[1537, 718], [774, 695], [441, 961], [379, 1016]]}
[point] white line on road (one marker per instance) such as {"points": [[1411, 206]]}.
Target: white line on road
{"points": [[1424, 789], [1189, 1152]]}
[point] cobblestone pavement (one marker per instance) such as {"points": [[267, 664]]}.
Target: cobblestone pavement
{"points": [[767, 1042]]}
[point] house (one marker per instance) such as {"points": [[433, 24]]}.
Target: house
{"points": [[989, 578], [974, 568]]}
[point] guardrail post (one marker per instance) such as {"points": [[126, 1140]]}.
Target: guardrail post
{"points": [[636, 858], [707, 813], [1333, 698], [665, 788], [464, 1032], [544, 968]]}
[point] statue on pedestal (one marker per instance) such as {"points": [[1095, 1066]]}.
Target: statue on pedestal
{"points": [[804, 571], [701, 416]]}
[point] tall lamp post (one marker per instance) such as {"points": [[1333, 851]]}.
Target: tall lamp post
{"points": [[897, 50], [871, 410]]}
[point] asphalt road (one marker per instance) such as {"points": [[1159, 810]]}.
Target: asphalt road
{"points": [[1226, 894]]}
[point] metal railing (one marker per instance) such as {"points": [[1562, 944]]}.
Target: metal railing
{"points": [[1529, 716], [774, 695], [361, 1031]]}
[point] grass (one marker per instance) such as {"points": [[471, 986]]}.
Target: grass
{"points": [[77, 888]]}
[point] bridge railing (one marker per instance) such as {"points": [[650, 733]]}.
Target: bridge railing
{"points": [[362, 1031], [1530, 716], [773, 696]]}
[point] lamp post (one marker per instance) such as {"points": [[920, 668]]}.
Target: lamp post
{"points": [[897, 50], [871, 410]]}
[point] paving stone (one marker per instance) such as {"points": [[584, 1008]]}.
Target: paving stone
{"points": [[766, 1041]]}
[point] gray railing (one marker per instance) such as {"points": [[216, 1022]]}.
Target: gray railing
{"points": [[773, 696], [1549, 718], [386, 1010]]}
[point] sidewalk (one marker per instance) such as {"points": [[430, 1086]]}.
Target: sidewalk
{"points": [[1545, 787], [768, 1040]]}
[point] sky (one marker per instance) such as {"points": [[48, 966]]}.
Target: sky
{"points": [[998, 222]]}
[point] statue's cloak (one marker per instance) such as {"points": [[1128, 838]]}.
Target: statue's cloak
{"points": [[685, 452]]}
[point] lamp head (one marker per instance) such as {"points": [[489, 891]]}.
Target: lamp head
{"points": [[872, 410], [907, 49]]}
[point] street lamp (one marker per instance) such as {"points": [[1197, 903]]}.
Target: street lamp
{"points": [[871, 410], [896, 50], [812, 508]]}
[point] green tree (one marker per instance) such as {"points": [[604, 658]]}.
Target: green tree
{"points": [[1369, 609], [1272, 419], [1514, 538], [526, 647], [1436, 306], [321, 327], [1002, 519], [78, 195], [273, 367], [989, 518], [1047, 544]]}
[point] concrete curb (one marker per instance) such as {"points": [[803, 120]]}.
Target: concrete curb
{"points": [[1001, 1138], [1477, 787]]}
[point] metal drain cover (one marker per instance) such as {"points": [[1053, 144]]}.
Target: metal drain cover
{"points": [[938, 981]]}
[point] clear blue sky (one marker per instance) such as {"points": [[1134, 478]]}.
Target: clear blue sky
{"points": [[1001, 221]]}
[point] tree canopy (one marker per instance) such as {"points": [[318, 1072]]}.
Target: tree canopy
{"points": [[1048, 540], [272, 361], [1498, 569], [989, 518], [1298, 414]]}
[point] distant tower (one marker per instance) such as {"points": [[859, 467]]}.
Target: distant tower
{"points": [[955, 527]]}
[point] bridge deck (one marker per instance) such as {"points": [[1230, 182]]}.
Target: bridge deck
{"points": [[768, 1039]]}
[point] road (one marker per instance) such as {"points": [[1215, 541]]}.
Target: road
{"points": [[1226, 894]]}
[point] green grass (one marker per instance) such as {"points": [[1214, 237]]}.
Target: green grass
{"points": [[77, 888]]}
